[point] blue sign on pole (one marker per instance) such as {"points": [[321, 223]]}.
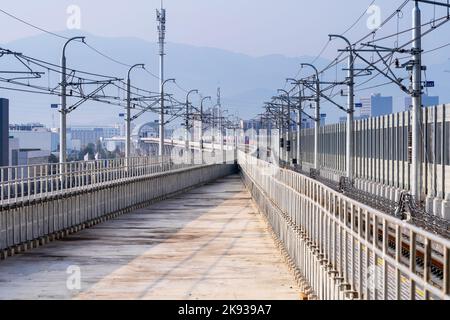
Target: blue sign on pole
{"points": [[122, 115], [54, 106], [429, 84], [323, 115], [358, 105]]}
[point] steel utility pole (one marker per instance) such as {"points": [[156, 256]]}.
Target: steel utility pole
{"points": [[63, 116], [350, 107], [416, 94], [288, 136], [219, 106], [162, 120], [161, 18], [317, 117], [128, 119], [201, 128], [299, 121], [279, 123], [188, 114], [299, 127]]}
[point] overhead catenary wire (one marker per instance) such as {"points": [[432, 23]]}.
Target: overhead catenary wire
{"points": [[387, 60], [91, 47], [72, 73]]}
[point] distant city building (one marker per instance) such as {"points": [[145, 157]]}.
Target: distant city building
{"points": [[4, 132], [31, 143], [88, 134], [25, 157], [427, 101], [250, 124], [375, 106], [26, 127], [14, 148], [35, 137]]}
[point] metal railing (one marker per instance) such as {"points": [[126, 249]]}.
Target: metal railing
{"points": [[344, 249], [42, 201], [32, 182]]}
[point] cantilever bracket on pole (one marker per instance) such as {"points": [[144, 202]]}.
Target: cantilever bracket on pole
{"points": [[327, 98], [87, 97], [380, 48], [336, 83], [309, 116], [136, 116], [394, 80]]}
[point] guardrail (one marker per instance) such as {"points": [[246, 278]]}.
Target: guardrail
{"points": [[342, 248], [31, 182], [40, 207]]}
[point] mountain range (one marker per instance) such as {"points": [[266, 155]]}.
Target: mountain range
{"points": [[245, 81]]}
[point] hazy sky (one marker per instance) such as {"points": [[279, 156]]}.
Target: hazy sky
{"points": [[292, 28], [254, 27]]}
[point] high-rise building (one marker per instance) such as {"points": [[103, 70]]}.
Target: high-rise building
{"points": [[4, 132], [374, 106], [427, 101]]}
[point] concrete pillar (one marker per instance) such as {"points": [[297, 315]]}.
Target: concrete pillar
{"points": [[446, 207], [429, 204], [437, 205]]}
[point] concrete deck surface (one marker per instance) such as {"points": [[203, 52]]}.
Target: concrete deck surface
{"points": [[209, 243]]}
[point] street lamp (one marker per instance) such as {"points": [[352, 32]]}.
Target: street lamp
{"points": [[317, 127], [161, 119], [63, 117], [350, 108], [187, 120], [128, 119], [201, 125]]}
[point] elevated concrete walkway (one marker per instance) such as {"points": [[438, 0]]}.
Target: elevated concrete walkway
{"points": [[209, 243]]}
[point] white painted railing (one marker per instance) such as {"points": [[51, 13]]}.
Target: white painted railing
{"points": [[342, 248], [43, 200]]}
